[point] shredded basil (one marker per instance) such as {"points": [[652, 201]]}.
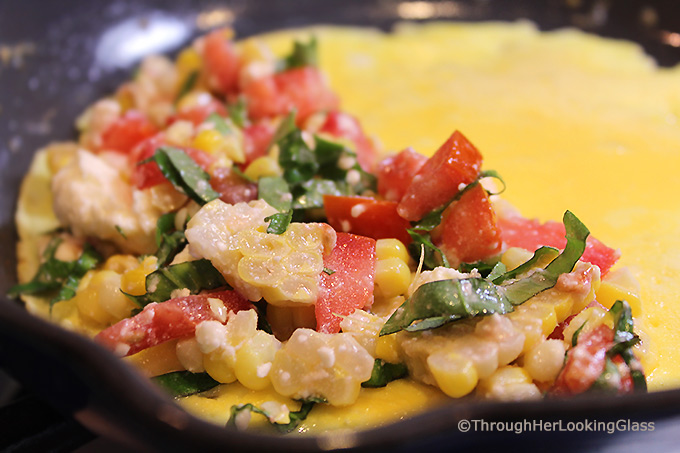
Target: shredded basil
{"points": [[437, 303], [169, 240], [543, 255], [58, 276], [184, 174], [120, 231], [193, 275], [303, 54], [577, 333], [278, 223], [624, 340], [296, 417], [609, 380], [328, 271], [238, 112], [421, 243], [384, 372], [275, 191], [221, 125], [185, 383], [188, 85]]}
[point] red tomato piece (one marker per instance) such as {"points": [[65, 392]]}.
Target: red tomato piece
{"points": [[161, 322], [148, 174], [221, 61], [256, 139], [303, 89], [126, 132], [350, 286], [468, 231], [197, 115], [585, 362], [366, 217], [396, 172], [344, 125], [530, 234], [456, 162], [232, 187]]}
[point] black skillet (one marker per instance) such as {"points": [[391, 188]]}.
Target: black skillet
{"points": [[57, 57]]}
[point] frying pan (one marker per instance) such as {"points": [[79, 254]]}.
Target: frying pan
{"points": [[58, 57]]}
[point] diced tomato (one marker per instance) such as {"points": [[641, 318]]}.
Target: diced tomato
{"points": [[148, 174], [161, 322], [350, 286], [366, 217], [198, 114], [256, 139], [468, 231], [396, 172], [126, 132], [221, 61], [344, 125], [303, 89], [232, 187], [530, 234], [456, 162]]}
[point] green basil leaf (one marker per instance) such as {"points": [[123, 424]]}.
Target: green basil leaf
{"points": [[543, 255], [185, 383], [577, 333], [220, 124], [303, 54], [278, 223], [286, 127], [522, 290], [609, 380], [297, 160], [193, 275], [169, 240], [496, 271], [275, 191], [184, 174], [188, 85], [422, 243], [384, 372], [309, 195], [437, 303], [328, 271], [238, 112], [493, 174], [296, 417], [483, 267], [624, 340]]}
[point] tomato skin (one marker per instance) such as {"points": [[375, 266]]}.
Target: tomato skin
{"points": [[302, 89], [126, 132], [256, 140], [164, 321], [396, 172], [221, 61], [377, 219], [343, 125], [198, 114], [468, 231], [232, 187], [456, 162], [350, 286], [530, 234], [148, 174]]}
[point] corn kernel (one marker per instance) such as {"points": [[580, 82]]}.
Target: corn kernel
{"points": [[386, 348], [88, 303], [263, 166], [455, 374], [188, 60], [392, 276], [189, 355], [254, 360], [590, 319], [219, 366], [620, 285], [543, 311], [134, 281], [531, 326], [500, 329], [121, 263], [545, 360], [386, 306], [515, 256], [391, 248], [105, 284], [509, 383]]}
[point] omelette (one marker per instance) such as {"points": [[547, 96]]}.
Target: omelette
{"points": [[280, 231]]}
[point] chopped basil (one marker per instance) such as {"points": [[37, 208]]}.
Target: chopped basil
{"points": [[483, 267], [577, 333], [169, 240], [185, 383], [221, 125], [543, 255], [328, 271], [498, 270], [298, 161], [624, 340], [120, 231], [238, 112], [437, 303], [193, 275], [493, 174], [421, 243], [184, 174], [609, 380], [309, 195], [58, 276], [295, 416], [384, 372], [303, 54], [278, 223], [275, 191], [188, 85]]}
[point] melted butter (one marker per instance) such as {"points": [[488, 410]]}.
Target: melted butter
{"points": [[571, 121]]}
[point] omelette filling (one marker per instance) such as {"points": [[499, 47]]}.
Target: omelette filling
{"points": [[227, 228]]}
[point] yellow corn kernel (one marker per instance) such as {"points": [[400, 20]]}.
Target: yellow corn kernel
{"points": [[531, 326], [88, 303], [509, 383], [391, 248], [219, 366], [392, 276], [121, 263], [254, 49], [455, 374], [263, 166], [543, 311], [134, 281], [156, 360], [386, 306], [620, 285], [254, 360], [209, 140], [188, 60], [515, 256], [590, 319], [545, 360], [105, 285], [386, 348], [562, 304]]}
